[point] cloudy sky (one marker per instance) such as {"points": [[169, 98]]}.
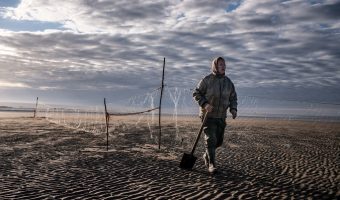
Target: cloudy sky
{"points": [[79, 51]]}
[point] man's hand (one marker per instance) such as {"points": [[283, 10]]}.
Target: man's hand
{"points": [[233, 113], [208, 107]]}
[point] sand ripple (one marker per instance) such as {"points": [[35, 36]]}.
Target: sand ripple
{"points": [[40, 160]]}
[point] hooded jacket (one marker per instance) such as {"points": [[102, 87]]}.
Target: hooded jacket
{"points": [[221, 88]]}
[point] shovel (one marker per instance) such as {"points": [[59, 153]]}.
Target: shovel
{"points": [[188, 159]]}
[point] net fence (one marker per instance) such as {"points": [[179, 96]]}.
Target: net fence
{"points": [[136, 122]]}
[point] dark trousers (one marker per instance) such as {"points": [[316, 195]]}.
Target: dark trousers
{"points": [[214, 134]]}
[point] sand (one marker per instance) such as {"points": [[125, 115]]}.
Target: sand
{"points": [[260, 159]]}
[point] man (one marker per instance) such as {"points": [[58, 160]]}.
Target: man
{"points": [[215, 93]]}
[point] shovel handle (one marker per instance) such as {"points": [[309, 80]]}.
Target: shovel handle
{"points": [[201, 129]]}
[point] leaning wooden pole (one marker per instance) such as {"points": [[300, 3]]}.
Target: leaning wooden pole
{"points": [[36, 107], [107, 118], [160, 109]]}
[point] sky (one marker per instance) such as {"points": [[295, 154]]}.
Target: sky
{"points": [[78, 52]]}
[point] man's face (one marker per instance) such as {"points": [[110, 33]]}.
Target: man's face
{"points": [[221, 66]]}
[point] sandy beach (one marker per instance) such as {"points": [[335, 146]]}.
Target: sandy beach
{"points": [[260, 159]]}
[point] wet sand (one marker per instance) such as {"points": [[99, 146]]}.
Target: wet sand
{"points": [[260, 159]]}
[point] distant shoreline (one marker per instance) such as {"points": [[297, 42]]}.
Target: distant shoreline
{"points": [[10, 109], [264, 117]]}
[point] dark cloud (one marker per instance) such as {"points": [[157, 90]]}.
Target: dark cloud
{"points": [[125, 15], [330, 11], [269, 44]]}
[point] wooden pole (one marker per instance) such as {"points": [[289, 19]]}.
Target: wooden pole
{"points": [[160, 108], [36, 107], [107, 118]]}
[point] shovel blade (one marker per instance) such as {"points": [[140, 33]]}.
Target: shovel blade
{"points": [[188, 161]]}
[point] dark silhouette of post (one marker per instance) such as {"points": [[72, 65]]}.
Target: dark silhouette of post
{"points": [[36, 107], [107, 126], [160, 109]]}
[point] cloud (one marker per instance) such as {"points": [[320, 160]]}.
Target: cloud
{"points": [[94, 16], [119, 45], [4, 84]]}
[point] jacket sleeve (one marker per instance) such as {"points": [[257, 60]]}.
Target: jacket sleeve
{"points": [[233, 98], [199, 93]]}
